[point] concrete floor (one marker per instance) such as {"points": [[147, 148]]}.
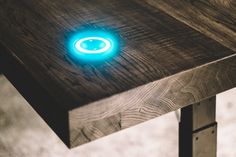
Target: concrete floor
{"points": [[24, 134]]}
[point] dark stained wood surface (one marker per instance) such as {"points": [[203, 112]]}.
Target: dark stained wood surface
{"points": [[150, 101], [163, 64], [214, 18], [156, 46]]}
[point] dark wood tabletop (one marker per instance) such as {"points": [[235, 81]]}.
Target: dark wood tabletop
{"points": [[214, 18], [169, 57]]}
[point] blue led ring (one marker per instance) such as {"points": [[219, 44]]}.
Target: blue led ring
{"points": [[93, 45], [97, 49]]}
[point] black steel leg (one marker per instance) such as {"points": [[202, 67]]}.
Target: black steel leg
{"points": [[198, 130]]}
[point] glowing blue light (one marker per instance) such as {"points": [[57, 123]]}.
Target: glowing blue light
{"points": [[93, 45]]}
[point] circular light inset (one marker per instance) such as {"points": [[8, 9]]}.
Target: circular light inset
{"points": [[93, 45]]}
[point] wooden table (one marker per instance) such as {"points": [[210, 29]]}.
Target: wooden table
{"points": [[173, 54]]}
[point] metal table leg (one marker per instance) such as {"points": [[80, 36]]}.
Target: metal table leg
{"points": [[198, 130]]}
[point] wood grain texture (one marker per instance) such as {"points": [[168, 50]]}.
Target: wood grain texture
{"points": [[151, 100], [161, 63], [214, 18]]}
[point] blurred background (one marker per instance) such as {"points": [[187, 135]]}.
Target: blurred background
{"points": [[24, 134]]}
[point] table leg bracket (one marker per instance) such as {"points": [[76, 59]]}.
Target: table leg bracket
{"points": [[204, 141]]}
